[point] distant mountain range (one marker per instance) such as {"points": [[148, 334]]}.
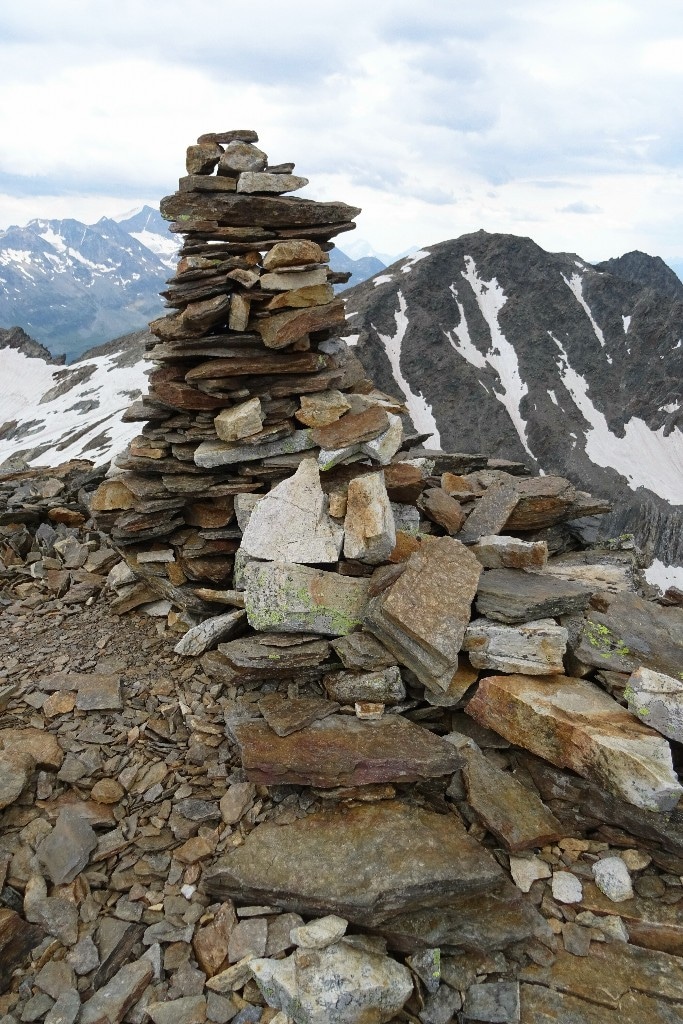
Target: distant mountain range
{"points": [[72, 286], [501, 347]]}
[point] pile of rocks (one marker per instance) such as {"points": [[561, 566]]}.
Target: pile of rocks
{"points": [[405, 775]]}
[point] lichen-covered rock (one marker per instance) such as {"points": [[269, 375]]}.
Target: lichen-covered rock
{"points": [[285, 598], [535, 648], [657, 700], [336, 985]]}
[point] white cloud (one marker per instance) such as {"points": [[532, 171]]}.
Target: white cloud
{"points": [[436, 121]]}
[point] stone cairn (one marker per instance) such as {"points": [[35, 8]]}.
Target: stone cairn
{"points": [[272, 479]]}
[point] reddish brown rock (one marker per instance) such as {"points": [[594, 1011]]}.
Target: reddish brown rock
{"points": [[404, 482], [286, 715], [353, 428], [343, 751], [282, 329]]}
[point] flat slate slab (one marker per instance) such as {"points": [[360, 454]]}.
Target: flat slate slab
{"points": [[343, 751], [286, 715], [628, 632], [365, 863], [573, 724], [511, 595]]}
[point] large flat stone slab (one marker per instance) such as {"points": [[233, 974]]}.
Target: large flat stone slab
{"points": [[511, 595], [541, 1005], [573, 724], [297, 599], [612, 972], [649, 922], [365, 863], [343, 751], [422, 617]]}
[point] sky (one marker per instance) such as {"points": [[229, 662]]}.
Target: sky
{"points": [[559, 121]]}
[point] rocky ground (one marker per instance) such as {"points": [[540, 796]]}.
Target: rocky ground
{"points": [[145, 877]]}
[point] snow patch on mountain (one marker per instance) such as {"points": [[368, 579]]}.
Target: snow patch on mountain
{"points": [[418, 408], [501, 356], [55, 413], [659, 465], [575, 284]]}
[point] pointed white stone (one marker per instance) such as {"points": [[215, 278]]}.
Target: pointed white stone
{"points": [[291, 523]]}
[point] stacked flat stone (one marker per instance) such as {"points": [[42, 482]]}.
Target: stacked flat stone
{"points": [[248, 381]]}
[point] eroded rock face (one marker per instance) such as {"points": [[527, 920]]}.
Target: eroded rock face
{"points": [[365, 863], [344, 751], [573, 724], [422, 618]]}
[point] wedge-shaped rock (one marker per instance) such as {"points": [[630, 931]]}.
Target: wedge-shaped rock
{"points": [[657, 700], [573, 724], [486, 921], [513, 813], [297, 599], [369, 531], [291, 524], [344, 751], [208, 633], [282, 329], [261, 181], [239, 420], [511, 553], [245, 210], [536, 648], [336, 985], [627, 632], [422, 618], [365, 863], [491, 511], [547, 500], [360, 652], [509, 595]]}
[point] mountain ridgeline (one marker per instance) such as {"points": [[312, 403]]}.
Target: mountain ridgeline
{"points": [[500, 347], [72, 286]]}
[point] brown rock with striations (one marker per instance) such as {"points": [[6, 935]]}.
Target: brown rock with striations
{"points": [[422, 617], [573, 724], [344, 751]]}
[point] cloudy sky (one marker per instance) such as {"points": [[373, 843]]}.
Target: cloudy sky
{"points": [[556, 120]]}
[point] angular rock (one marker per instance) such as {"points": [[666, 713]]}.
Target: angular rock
{"points": [[364, 862], [291, 523], [266, 656], [496, 552], [351, 429], [17, 939], [657, 700], [488, 921], [110, 1003], [360, 652], [66, 1008], [37, 744], [513, 813], [613, 879], [281, 329], [649, 922], [321, 933], [534, 648], [492, 511], [239, 420], [440, 1008], [248, 938], [511, 596], [336, 985], [299, 251], [15, 771], [186, 1010], [65, 852], [202, 158], [422, 617], [246, 210], [298, 599], [344, 751], [238, 798], [211, 454], [573, 724], [239, 156], [626, 633], [566, 887], [285, 715], [527, 870], [208, 633], [322, 409], [494, 1001], [385, 687], [261, 181], [442, 509], [369, 531], [288, 280], [540, 1005]]}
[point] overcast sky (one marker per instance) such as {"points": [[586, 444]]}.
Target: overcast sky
{"points": [[560, 121]]}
